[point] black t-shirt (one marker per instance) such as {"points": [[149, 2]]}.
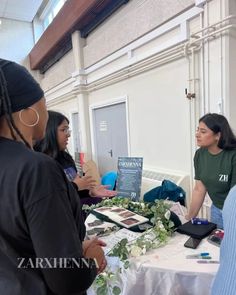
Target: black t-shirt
{"points": [[40, 216]]}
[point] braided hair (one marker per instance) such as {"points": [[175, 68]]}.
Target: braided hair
{"points": [[5, 104]]}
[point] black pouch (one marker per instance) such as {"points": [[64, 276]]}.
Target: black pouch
{"points": [[197, 231]]}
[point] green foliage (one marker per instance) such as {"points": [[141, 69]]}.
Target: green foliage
{"points": [[120, 250], [159, 214]]}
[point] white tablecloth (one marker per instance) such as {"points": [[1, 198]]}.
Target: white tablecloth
{"points": [[167, 271]]}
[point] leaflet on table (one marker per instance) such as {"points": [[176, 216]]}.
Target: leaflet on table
{"points": [[115, 238], [100, 228], [129, 177], [122, 216]]}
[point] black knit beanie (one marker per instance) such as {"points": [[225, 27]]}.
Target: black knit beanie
{"points": [[23, 90]]}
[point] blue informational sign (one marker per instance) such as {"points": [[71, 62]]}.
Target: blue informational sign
{"points": [[129, 177]]}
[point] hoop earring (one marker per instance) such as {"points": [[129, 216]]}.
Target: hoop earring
{"points": [[29, 125]]}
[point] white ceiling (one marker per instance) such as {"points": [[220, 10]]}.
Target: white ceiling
{"points": [[23, 10]]}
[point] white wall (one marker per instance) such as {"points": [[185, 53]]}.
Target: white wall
{"points": [[218, 78], [158, 115], [16, 40], [230, 69]]}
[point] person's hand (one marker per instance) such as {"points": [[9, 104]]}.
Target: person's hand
{"points": [[84, 182], [101, 191], [95, 241], [92, 249], [187, 217]]}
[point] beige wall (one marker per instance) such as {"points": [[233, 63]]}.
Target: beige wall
{"points": [[59, 72], [133, 20]]}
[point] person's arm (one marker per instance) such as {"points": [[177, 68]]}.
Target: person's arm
{"points": [[101, 191], [84, 182], [198, 196], [82, 193]]}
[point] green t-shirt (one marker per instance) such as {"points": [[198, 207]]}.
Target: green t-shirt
{"points": [[217, 173]]}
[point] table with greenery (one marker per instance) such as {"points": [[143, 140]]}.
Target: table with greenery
{"points": [[110, 282]]}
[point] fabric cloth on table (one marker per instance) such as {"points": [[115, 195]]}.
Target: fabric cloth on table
{"points": [[168, 190]]}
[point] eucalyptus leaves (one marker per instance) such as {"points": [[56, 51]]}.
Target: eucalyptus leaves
{"points": [[109, 282]]}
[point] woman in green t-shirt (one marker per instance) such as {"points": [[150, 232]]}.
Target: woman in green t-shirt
{"points": [[215, 165]]}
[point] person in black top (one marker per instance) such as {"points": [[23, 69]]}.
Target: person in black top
{"points": [[54, 144], [41, 225]]}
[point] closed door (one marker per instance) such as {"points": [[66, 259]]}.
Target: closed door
{"points": [[110, 129]]}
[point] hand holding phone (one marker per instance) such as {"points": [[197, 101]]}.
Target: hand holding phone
{"points": [[192, 243]]}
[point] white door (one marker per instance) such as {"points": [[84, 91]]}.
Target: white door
{"points": [[110, 131]]}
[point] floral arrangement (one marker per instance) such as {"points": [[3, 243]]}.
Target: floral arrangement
{"points": [[159, 214]]}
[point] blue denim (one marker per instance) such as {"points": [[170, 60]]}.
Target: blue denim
{"points": [[216, 216]]}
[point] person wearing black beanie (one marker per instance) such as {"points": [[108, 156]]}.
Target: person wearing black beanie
{"points": [[23, 90], [21, 97], [41, 225]]}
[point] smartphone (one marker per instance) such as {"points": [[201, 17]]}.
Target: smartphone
{"points": [[192, 243]]}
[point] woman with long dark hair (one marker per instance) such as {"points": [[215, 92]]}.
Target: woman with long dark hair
{"points": [[41, 225], [215, 165], [54, 144]]}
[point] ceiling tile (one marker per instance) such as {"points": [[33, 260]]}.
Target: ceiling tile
{"points": [[23, 10]]}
